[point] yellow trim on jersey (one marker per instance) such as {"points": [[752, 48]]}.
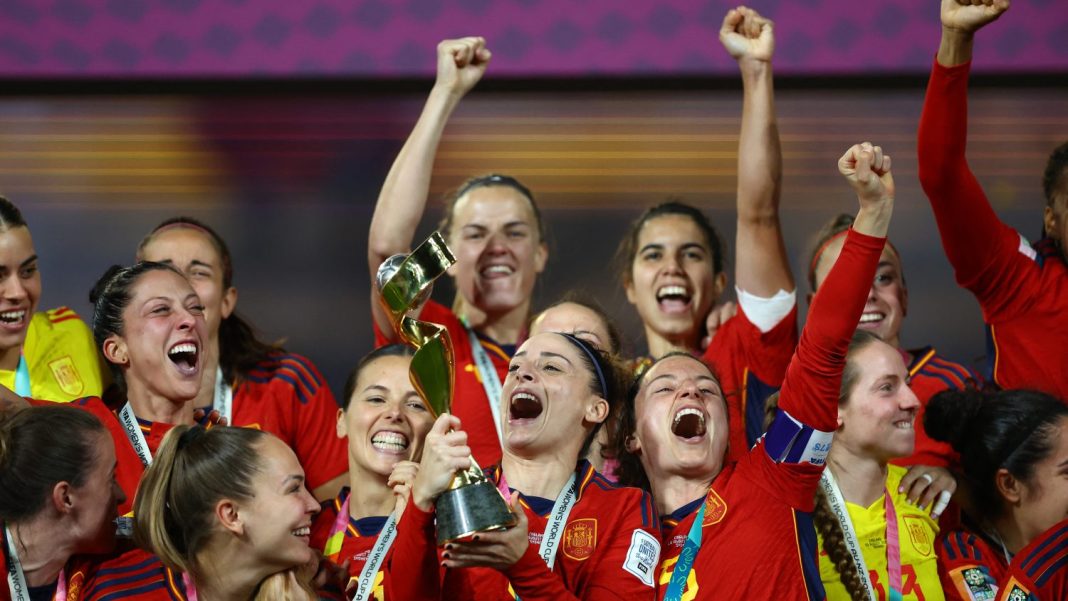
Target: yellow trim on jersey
{"points": [[61, 356]]}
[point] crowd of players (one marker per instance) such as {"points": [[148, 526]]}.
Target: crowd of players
{"points": [[164, 452]]}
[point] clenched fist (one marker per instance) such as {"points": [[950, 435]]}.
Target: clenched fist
{"points": [[867, 170], [461, 64], [747, 35], [969, 16]]}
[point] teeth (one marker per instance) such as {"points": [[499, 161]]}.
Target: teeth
{"points": [[904, 425], [524, 395], [187, 347], [13, 316], [305, 531], [869, 317], [390, 441], [506, 270], [688, 411], [670, 291]]}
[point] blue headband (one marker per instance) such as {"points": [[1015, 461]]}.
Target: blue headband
{"points": [[593, 359]]}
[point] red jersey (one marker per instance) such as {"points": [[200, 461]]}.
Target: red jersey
{"points": [[750, 366], [758, 541], [73, 574], [287, 396], [469, 402], [1022, 289], [360, 537], [970, 566], [930, 374], [136, 574], [1039, 572]]}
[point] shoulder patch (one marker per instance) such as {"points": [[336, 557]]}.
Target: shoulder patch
{"points": [[643, 556]]}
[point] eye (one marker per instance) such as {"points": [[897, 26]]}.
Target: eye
{"points": [[28, 271], [694, 255], [376, 400], [551, 367], [883, 279], [652, 255], [517, 234], [161, 310], [418, 406], [472, 235], [664, 389], [513, 367], [200, 273], [196, 309]]}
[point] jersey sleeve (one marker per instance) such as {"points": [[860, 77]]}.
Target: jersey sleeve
{"points": [[412, 569], [989, 258], [625, 567], [810, 390], [1041, 568], [321, 453], [966, 569]]}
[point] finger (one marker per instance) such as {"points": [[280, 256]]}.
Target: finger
{"points": [[886, 164], [455, 438], [941, 504], [730, 22], [919, 486], [864, 166], [848, 161], [877, 159], [931, 494]]}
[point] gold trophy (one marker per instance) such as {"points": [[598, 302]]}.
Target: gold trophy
{"points": [[472, 503]]}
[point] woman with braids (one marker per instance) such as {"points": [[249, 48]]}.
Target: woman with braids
{"points": [[58, 499], [249, 382], [227, 508], [48, 355], [385, 421], [1013, 447], [738, 530], [673, 259], [494, 228], [577, 536]]}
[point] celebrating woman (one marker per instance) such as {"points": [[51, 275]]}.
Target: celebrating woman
{"points": [[385, 421], [48, 355], [739, 530], [58, 499], [673, 257], [228, 508], [248, 382], [578, 536], [492, 225]]}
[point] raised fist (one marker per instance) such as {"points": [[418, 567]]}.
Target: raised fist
{"points": [[971, 15], [746, 34], [867, 170], [461, 63]]}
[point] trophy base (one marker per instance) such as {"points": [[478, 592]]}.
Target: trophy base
{"points": [[469, 509]]}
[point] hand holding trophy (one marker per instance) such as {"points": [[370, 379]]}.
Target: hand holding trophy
{"points": [[471, 504]]}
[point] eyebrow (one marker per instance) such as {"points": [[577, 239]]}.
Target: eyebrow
{"points": [[543, 354], [376, 387], [297, 477], [28, 261], [673, 378]]}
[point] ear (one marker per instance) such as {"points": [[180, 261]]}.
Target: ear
{"points": [[541, 255], [839, 419], [229, 302], [1049, 222], [633, 444], [1008, 486], [229, 516], [597, 411], [628, 287], [115, 350], [719, 284], [342, 428], [62, 499]]}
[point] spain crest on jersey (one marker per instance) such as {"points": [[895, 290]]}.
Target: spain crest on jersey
{"points": [[715, 508], [580, 538], [74, 586], [67, 376], [919, 535]]}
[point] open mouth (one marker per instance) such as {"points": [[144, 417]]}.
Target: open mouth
{"points": [[871, 319], [524, 406], [673, 299], [689, 424], [302, 531], [904, 424], [491, 272], [390, 442], [13, 318], [184, 356]]}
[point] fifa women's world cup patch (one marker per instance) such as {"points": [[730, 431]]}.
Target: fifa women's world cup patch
{"points": [[580, 538], [643, 556]]}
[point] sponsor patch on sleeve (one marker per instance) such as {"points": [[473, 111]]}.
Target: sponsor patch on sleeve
{"points": [[642, 557]]}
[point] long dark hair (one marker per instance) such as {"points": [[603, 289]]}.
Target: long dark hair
{"points": [[239, 347]]}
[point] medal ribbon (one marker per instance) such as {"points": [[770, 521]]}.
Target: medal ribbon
{"points": [[134, 433], [487, 373], [16, 580], [22, 378], [224, 397], [893, 549], [366, 581], [684, 566]]}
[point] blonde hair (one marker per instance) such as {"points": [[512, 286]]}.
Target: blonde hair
{"points": [[193, 469]]}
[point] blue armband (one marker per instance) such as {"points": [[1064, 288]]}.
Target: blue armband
{"points": [[790, 441]]}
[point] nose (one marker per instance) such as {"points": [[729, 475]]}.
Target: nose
{"points": [[908, 399], [13, 288], [120, 495], [393, 411], [496, 242], [689, 389], [311, 506], [672, 264]]}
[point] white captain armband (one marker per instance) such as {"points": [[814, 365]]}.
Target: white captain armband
{"points": [[790, 441], [766, 313]]}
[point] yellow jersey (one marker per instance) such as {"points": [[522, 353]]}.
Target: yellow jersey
{"points": [[916, 534], [61, 356]]}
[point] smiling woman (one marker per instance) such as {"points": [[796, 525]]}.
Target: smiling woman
{"points": [[494, 228], [46, 355]]}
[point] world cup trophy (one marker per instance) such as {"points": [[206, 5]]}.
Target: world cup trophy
{"points": [[472, 503]]}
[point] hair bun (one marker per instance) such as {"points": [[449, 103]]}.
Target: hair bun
{"points": [[950, 415]]}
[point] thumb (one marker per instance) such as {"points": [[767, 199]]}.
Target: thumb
{"points": [[517, 509]]}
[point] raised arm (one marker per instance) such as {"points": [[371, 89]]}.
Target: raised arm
{"points": [[400, 206], [810, 390], [761, 266], [971, 232]]}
